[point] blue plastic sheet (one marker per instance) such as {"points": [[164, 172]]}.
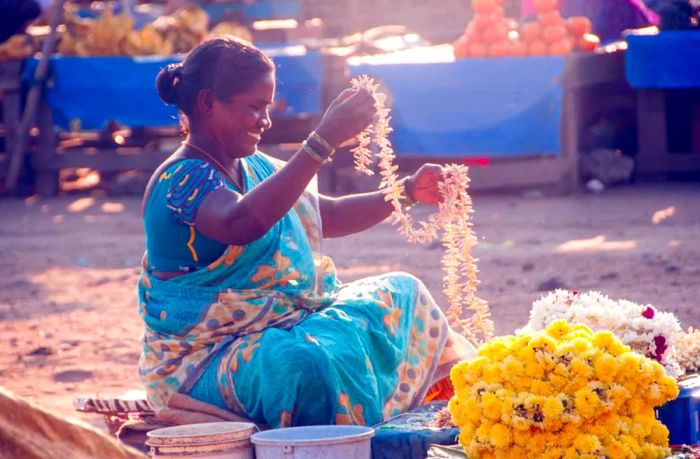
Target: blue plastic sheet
{"points": [[670, 59], [260, 10], [92, 91], [409, 436], [502, 107]]}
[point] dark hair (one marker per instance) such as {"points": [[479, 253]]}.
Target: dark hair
{"points": [[226, 65]]}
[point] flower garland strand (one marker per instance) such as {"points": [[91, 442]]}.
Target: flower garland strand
{"points": [[453, 217]]}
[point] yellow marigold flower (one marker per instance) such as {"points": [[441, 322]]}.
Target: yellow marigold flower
{"points": [[587, 444], [618, 450], [483, 432], [507, 410], [534, 370], [539, 387], [581, 368], [659, 433], [521, 437], [500, 436], [631, 362], [538, 442], [553, 409], [587, 402], [669, 387], [557, 382], [571, 453], [491, 406], [543, 343], [605, 368], [511, 367], [558, 329], [472, 410], [631, 443]]}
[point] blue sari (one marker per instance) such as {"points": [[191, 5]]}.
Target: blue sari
{"points": [[268, 332]]}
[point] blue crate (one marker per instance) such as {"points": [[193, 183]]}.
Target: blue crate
{"points": [[682, 415]]}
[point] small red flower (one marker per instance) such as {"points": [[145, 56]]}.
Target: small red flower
{"points": [[648, 313], [661, 346]]}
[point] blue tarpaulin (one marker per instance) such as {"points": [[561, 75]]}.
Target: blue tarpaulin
{"points": [[259, 10], [474, 107], [92, 91], [670, 59]]}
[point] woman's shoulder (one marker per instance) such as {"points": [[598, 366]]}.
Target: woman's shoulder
{"points": [[184, 184]]}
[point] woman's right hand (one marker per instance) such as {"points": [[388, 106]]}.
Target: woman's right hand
{"points": [[348, 115]]}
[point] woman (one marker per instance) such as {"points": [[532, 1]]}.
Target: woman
{"points": [[241, 309]]}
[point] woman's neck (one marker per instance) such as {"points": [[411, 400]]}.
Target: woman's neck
{"points": [[212, 148]]}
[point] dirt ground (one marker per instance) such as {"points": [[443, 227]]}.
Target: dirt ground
{"points": [[68, 270]]}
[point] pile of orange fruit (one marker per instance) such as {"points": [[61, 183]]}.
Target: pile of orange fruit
{"points": [[492, 34]]}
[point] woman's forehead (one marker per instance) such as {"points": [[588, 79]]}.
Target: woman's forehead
{"points": [[263, 88]]}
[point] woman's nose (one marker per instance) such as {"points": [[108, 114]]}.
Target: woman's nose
{"points": [[265, 122]]}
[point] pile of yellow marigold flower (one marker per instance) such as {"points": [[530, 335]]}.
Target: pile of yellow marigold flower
{"points": [[560, 393]]}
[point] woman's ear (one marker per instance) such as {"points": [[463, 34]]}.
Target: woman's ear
{"points": [[205, 102]]}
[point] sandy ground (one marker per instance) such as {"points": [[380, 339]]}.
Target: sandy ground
{"points": [[68, 269]]}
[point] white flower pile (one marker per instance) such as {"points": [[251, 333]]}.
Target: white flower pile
{"points": [[645, 329], [688, 350]]}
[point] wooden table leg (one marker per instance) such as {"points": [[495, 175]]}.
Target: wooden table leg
{"points": [[11, 108], [46, 176], [652, 133], [570, 142]]}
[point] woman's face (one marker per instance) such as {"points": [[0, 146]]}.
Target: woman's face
{"points": [[239, 123]]}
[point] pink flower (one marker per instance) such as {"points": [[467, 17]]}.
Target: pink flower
{"points": [[648, 313], [661, 346]]}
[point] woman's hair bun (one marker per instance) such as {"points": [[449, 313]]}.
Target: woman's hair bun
{"points": [[167, 82]]}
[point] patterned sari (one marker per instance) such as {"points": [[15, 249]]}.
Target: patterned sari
{"points": [[281, 340]]}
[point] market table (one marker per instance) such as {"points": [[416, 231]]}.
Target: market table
{"points": [[655, 65], [86, 94], [516, 119]]}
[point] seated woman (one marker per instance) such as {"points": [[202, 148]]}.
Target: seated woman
{"points": [[242, 310]]}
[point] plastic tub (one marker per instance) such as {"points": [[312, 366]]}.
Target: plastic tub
{"points": [[215, 440], [314, 442]]}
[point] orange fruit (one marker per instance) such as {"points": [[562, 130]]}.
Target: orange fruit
{"points": [[477, 50], [461, 47], [495, 34], [485, 21], [542, 6], [560, 48], [537, 48], [551, 18], [519, 49], [472, 32], [500, 49], [484, 6], [578, 25], [588, 42], [552, 34], [531, 31]]}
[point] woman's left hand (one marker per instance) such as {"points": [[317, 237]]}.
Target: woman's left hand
{"points": [[423, 185]]}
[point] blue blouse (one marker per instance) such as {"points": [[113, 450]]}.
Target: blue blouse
{"points": [[172, 242]]}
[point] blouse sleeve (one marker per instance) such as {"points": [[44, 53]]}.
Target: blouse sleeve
{"points": [[190, 183]]}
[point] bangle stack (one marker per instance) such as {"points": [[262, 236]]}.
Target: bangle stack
{"points": [[316, 147]]}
